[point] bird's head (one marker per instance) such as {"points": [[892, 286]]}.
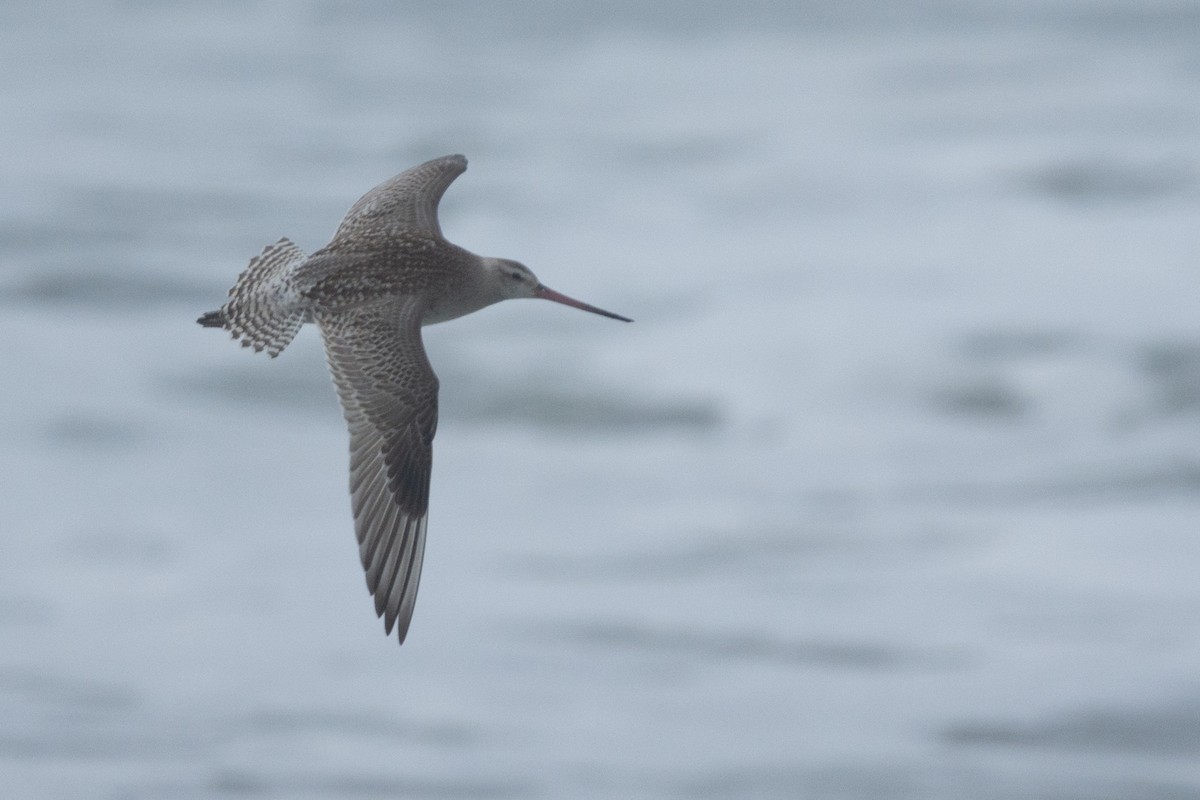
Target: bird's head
{"points": [[512, 279]]}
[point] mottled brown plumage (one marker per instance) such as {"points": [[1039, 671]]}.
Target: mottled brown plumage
{"points": [[386, 272]]}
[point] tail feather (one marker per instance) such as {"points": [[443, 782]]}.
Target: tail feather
{"points": [[265, 308], [212, 319]]}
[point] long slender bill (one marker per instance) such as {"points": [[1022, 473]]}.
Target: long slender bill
{"points": [[550, 294]]}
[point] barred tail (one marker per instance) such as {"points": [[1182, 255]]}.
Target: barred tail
{"points": [[265, 308]]}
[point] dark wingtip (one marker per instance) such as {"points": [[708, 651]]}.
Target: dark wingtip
{"points": [[212, 319], [389, 623]]}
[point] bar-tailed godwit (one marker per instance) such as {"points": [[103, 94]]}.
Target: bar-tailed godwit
{"points": [[387, 271]]}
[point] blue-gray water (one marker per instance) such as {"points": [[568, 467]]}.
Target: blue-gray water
{"points": [[892, 490]]}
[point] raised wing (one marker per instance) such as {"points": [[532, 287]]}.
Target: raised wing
{"points": [[405, 203], [389, 395]]}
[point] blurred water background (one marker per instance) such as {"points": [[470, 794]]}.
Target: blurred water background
{"points": [[891, 491]]}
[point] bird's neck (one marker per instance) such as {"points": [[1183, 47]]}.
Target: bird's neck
{"points": [[476, 290]]}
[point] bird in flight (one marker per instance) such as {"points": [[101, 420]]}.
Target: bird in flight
{"points": [[387, 272]]}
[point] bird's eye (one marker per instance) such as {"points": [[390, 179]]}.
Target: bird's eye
{"points": [[516, 276]]}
